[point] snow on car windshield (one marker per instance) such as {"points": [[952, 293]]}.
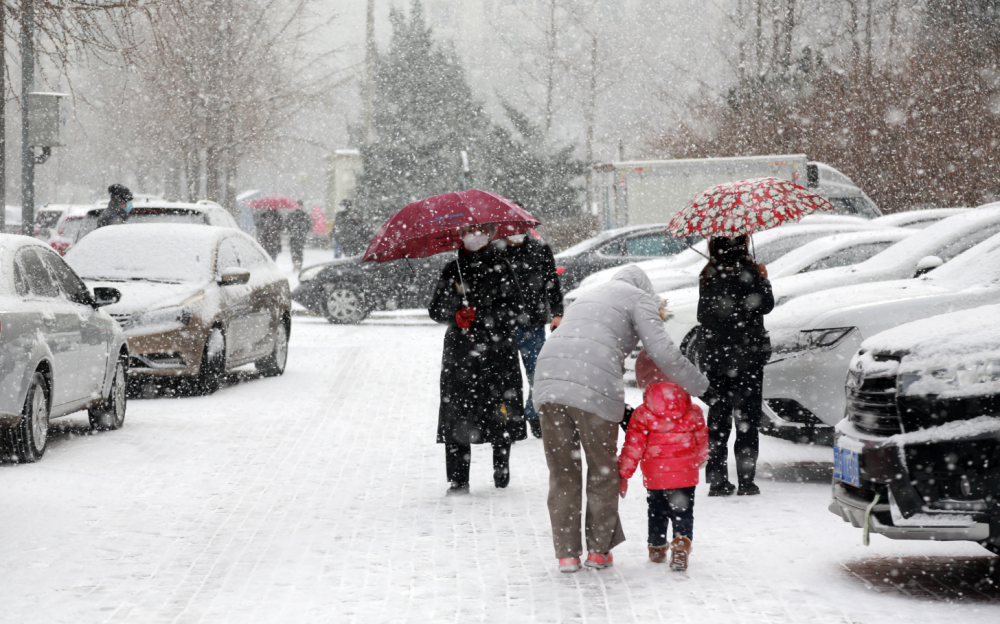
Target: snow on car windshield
{"points": [[979, 265], [170, 253]]}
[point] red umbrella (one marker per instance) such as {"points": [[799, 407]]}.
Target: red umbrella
{"points": [[273, 202], [740, 208], [431, 226]]}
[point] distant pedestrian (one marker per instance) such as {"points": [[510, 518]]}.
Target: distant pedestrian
{"points": [[735, 294], [667, 434], [118, 207], [299, 224], [580, 398], [481, 399], [350, 231], [268, 224], [535, 269]]}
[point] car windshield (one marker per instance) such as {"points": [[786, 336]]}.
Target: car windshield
{"points": [[47, 218], [977, 266], [946, 239], [166, 215], [119, 255]]}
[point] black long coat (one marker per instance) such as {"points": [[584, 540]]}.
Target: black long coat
{"points": [[735, 345], [535, 268], [481, 398]]}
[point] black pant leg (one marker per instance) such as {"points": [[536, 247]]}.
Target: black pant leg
{"points": [[659, 516], [501, 455], [457, 459], [720, 423], [748, 413], [680, 508]]}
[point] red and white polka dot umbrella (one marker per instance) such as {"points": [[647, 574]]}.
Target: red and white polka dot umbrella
{"points": [[744, 207]]}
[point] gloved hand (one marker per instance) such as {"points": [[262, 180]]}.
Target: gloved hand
{"points": [[622, 486], [710, 396], [465, 316], [625, 419]]}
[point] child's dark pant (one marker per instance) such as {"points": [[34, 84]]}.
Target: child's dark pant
{"points": [[670, 506]]}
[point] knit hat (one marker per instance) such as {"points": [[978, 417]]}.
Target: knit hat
{"points": [[120, 192]]}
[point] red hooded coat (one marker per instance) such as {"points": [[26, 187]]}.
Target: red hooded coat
{"points": [[667, 434]]}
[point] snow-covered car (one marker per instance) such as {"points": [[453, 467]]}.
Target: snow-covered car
{"points": [[149, 209], [347, 290], [918, 454], [65, 233], [768, 246], [61, 352], [612, 248], [196, 301], [918, 219], [913, 255], [814, 337], [12, 220]]}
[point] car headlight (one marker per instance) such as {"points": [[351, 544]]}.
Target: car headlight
{"points": [[311, 272], [163, 319], [938, 379], [812, 339]]}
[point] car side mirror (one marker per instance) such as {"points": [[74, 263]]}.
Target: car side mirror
{"points": [[233, 276], [927, 263], [105, 296]]}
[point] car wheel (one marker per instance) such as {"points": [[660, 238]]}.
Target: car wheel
{"points": [[274, 364], [692, 345], [110, 414], [213, 361], [345, 305], [28, 438]]}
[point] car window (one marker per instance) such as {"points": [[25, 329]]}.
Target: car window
{"points": [[227, 257], [167, 215], [848, 256], [249, 256], [20, 283], [88, 225], [614, 248], [68, 282], [773, 250], [39, 281], [967, 241], [47, 218], [70, 227], [654, 245]]}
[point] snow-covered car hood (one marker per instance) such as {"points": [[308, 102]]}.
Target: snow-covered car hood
{"points": [[665, 274], [820, 309], [143, 296], [953, 334]]}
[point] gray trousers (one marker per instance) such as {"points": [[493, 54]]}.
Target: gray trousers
{"points": [[564, 430]]}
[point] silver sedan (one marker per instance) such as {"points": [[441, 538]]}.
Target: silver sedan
{"points": [[59, 353]]}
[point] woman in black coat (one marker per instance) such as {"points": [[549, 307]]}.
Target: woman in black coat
{"points": [[735, 294], [481, 398]]}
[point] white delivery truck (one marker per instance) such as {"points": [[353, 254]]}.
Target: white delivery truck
{"points": [[652, 191]]}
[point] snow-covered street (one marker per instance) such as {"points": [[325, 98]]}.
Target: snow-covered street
{"points": [[318, 496]]}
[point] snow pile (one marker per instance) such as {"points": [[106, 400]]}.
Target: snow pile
{"points": [[947, 336]]}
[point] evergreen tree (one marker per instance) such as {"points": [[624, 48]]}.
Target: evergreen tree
{"points": [[425, 115]]}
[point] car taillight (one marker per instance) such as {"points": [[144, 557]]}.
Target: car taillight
{"points": [[60, 246], [560, 270]]}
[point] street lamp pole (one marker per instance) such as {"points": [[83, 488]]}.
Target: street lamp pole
{"points": [[27, 150]]}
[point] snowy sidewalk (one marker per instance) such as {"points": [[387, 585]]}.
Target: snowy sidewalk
{"points": [[319, 497]]}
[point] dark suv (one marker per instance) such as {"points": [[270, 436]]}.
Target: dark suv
{"points": [[918, 453]]}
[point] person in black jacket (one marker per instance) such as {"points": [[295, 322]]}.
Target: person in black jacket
{"points": [[299, 224], [481, 399], [535, 269], [735, 294], [118, 208]]}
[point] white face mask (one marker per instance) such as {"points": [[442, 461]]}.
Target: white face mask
{"points": [[517, 239], [474, 241]]}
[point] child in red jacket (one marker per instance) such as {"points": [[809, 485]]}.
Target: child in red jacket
{"points": [[667, 434]]}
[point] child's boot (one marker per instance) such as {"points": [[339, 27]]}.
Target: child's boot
{"points": [[658, 554], [680, 549]]}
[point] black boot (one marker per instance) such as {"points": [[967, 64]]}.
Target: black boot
{"points": [[536, 427], [457, 489], [722, 489], [501, 465]]}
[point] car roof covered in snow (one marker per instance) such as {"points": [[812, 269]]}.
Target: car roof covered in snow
{"points": [[164, 251]]}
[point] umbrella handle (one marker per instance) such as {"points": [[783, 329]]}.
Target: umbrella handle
{"points": [[458, 265]]}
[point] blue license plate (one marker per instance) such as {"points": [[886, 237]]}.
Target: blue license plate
{"points": [[845, 466]]}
